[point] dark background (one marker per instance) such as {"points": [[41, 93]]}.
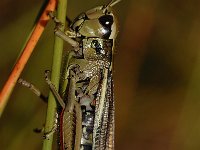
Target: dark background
{"points": [[156, 73]]}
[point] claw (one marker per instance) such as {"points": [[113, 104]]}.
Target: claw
{"points": [[46, 74], [45, 136], [51, 14], [57, 21]]}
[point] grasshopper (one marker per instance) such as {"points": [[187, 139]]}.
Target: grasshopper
{"points": [[86, 105]]}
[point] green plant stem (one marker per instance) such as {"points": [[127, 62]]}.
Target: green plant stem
{"points": [[55, 76]]}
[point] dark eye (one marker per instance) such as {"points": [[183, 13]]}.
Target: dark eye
{"points": [[106, 21]]}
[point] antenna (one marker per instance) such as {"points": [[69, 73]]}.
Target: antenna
{"points": [[111, 4]]}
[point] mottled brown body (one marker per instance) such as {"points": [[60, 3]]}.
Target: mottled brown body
{"points": [[90, 71]]}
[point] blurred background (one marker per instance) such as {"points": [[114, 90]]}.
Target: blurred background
{"points": [[156, 73]]}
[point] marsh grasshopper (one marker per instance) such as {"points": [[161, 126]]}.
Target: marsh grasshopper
{"points": [[86, 104]]}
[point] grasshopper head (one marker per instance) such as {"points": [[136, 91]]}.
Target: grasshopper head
{"points": [[98, 22]]}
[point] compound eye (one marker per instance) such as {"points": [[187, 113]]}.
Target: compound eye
{"points": [[106, 21]]}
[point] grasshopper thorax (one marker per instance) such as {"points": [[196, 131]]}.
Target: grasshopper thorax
{"points": [[99, 22]]}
